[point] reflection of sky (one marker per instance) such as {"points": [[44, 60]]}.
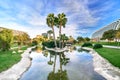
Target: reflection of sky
{"points": [[79, 67]]}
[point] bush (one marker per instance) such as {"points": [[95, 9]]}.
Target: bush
{"points": [[34, 43], [49, 44], [96, 46], [86, 44]]}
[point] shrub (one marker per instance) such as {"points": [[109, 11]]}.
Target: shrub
{"points": [[34, 43], [86, 44], [96, 46], [49, 44]]}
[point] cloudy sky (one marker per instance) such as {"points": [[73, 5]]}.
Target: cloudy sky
{"points": [[84, 16]]}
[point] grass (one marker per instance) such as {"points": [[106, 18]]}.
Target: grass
{"points": [[112, 55], [8, 59]]}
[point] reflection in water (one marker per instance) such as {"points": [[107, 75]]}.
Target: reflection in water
{"points": [[60, 74], [70, 65]]}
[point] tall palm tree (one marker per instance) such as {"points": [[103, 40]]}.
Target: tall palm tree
{"points": [[51, 22], [61, 21], [49, 33]]}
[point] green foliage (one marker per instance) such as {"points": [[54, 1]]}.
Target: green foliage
{"points": [[110, 34], [6, 39], [22, 38], [118, 35], [87, 44], [87, 39], [51, 21], [96, 46], [34, 42], [80, 39], [112, 55], [60, 75], [49, 44], [61, 20], [8, 59]]}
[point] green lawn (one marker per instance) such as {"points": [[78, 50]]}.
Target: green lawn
{"points": [[8, 59], [112, 55]]}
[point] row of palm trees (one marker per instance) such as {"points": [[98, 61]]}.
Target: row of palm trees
{"points": [[59, 21]]}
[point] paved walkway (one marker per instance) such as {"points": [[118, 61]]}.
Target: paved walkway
{"points": [[117, 47], [15, 72], [17, 47]]}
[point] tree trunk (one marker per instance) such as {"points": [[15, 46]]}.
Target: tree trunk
{"points": [[60, 36], [54, 38]]}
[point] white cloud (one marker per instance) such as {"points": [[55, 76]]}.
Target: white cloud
{"points": [[31, 17]]}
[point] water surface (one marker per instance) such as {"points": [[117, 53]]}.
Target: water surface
{"points": [[74, 65]]}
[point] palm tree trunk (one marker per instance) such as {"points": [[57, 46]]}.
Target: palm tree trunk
{"points": [[54, 38], [60, 37]]}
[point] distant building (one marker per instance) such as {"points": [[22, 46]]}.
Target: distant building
{"points": [[96, 36]]}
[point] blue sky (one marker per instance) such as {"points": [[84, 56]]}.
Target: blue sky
{"points": [[84, 16]]}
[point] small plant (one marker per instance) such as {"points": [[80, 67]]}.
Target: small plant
{"points": [[96, 46], [87, 44]]}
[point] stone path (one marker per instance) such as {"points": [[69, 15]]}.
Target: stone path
{"points": [[103, 67], [18, 69], [117, 47]]}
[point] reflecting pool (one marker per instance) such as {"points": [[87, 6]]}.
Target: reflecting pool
{"points": [[70, 65]]}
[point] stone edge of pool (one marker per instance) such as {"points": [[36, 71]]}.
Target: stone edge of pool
{"points": [[15, 72], [102, 66]]}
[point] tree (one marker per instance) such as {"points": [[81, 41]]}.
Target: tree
{"points": [[118, 36], [22, 39], [63, 38], [49, 34], [26, 38], [71, 39], [80, 39], [110, 34], [6, 39], [61, 21], [51, 22], [87, 38]]}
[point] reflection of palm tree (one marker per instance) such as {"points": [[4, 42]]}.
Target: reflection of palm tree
{"points": [[60, 59], [54, 63], [60, 75], [50, 62], [51, 22]]}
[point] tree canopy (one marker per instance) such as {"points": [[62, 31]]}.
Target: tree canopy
{"points": [[110, 34], [6, 39]]}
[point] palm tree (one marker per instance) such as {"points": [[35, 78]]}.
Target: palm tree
{"points": [[49, 34], [63, 38], [51, 22], [61, 21]]}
